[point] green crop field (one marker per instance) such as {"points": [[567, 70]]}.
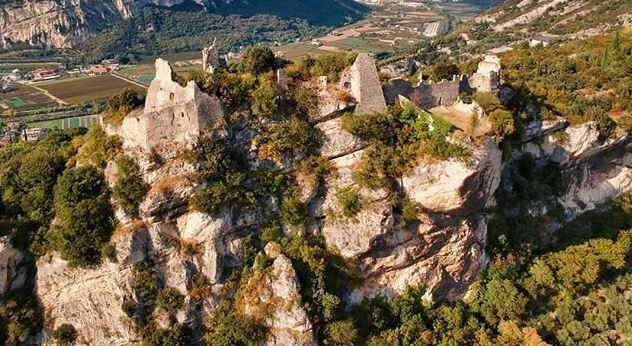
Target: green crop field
{"points": [[25, 97], [362, 45], [85, 121], [86, 89]]}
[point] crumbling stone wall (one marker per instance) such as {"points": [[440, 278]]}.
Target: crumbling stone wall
{"points": [[174, 116], [487, 77], [444, 93], [366, 87], [210, 57]]}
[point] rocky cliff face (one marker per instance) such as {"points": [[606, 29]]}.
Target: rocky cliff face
{"points": [[595, 170], [59, 23], [64, 23]]}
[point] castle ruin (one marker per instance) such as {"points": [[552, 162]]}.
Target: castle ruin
{"points": [[174, 116], [446, 93], [366, 87], [487, 77], [210, 57]]}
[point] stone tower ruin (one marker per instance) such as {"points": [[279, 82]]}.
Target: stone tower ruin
{"points": [[174, 117], [366, 87], [487, 77], [210, 57]]}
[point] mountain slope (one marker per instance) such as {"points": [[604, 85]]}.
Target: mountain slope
{"points": [[65, 23]]}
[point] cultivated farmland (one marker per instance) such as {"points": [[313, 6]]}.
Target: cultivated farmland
{"points": [[86, 89], [24, 98]]}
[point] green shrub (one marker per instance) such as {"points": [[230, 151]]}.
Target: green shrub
{"points": [[120, 105], [349, 201], [292, 136], [84, 216], [98, 148], [266, 98], [170, 300], [341, 333], [130, 189], [234, 329], [271, 233], [409, 210], [293, 212], [330, 65], [174, 336], [108, 251], [502, 122], [20, 318], [65, 334], [77, 185], [258, 59]]}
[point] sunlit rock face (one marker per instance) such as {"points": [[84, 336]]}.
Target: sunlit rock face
{"points": [[64, 23]]}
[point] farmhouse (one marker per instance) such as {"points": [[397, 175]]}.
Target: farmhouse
{"points": [[45, 74], [99, 70]]}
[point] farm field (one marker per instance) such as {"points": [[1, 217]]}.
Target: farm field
{"points": [[66, 123], [24, 98], [86, 89], [28, 66], [363, 45], [295, 51]]}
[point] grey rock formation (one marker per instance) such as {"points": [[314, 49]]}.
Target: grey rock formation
{"points": [[13, 267], [210, 57], [337, 141], [89, 299], [64, 23], [456, 186], [274, 297]]}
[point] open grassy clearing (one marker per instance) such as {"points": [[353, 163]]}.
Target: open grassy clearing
{"points": [[86, 89]]}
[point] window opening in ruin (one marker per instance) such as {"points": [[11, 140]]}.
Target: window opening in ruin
{"points": [[172, 96]]}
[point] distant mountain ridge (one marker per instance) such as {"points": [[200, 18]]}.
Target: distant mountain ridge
{"points": [[65, 23]]}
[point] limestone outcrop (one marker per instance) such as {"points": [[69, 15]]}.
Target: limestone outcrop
{"points": [[89, 299], [596, 170], [445, 250], [273, 297], [338, 142], [455, 186], [64, 23]]}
